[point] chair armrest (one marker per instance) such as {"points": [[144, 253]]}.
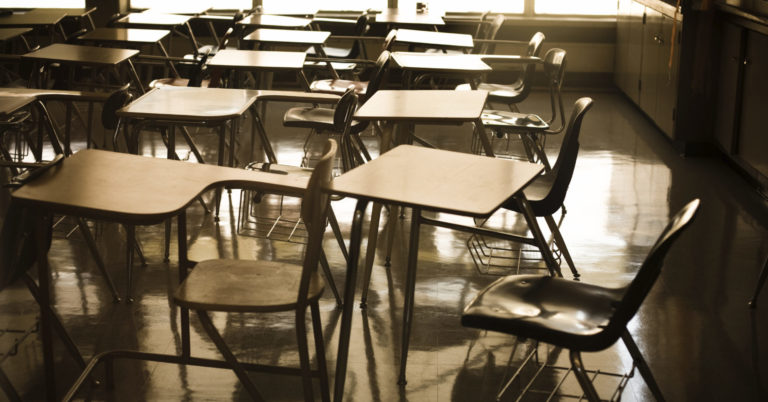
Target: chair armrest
{"points": [[335, 20], [509, 59]]}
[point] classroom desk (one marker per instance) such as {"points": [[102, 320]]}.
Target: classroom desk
{"points": [[465, 66], [425, 180], [159, 21], [267, 39], [49, 21], [131, 190], [13, 33], [10, 104], [86, 55], [71, 13], [398, 17], [423, 107], [260, 61], [130, 37], [44, 95], [273, 21], [436, 40]]}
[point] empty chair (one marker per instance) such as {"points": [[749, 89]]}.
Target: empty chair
{"points": [[339, 86], [240, 286], [516, 92], [578, 316], [532, 128]]}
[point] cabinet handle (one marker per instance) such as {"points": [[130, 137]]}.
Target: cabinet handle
{"points": [[658, 39], [746, 61]]}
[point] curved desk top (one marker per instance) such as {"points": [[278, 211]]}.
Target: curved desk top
{"points": [[12, 103], [125, 35], [136, 189], [274, 21], [56, 94], [440, 63], [424, 106], [258, 59], [192, 104]]}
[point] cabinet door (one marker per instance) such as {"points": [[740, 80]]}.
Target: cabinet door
{"points": [[730, 61], [666, 80], [650, 71], [753, 131], [629, 39]]}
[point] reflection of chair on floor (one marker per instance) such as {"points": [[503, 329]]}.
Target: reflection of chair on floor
{"points": [[531, 127], [239, 286], [285, 228], [575, 315]]}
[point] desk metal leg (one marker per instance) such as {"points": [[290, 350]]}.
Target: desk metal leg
{"points": [[541, 242], [349, 300], [370, 252], [184, 265], [130, 244], [46, 315], [410, 287]]}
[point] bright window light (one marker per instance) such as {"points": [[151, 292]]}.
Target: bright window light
{"points": [[566, 7], [42, 3], [496, 6], [216, 4], [311, 7]]}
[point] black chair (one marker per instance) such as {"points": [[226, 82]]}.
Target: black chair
{"points": [[577, 316], [361, 88], [516, 92], [532, 128]]}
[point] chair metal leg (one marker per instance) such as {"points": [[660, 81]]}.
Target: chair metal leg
{"points": [[583, 378], [561, 244], [167, 251], [242, 375], [322, 368], [642, 365], [301, 338], [329, 278], [760, 283], [130, 246], [337, 233]]}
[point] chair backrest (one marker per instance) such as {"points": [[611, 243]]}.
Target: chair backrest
{"points": [[480, 30], [554, 70], [562, 172], [490, 34], [649, 271], [389, 40], [114, 102], [342, 124], [198, 70], [361, 27], [224, 41], [377, 79], [534, 45], [314, 210]]}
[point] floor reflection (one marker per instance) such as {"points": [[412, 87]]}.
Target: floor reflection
{"points": [[694, 329]]}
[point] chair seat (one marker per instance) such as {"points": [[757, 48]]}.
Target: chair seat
{"points": [[512, 122], [244, 286], [338, 86], [336, 52], [343, 67], [175, 82], [498, 92], [552, 310], [313, 117]]}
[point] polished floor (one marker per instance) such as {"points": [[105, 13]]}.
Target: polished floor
{"points": [[699, 337]]}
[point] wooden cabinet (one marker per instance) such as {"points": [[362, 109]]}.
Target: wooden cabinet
{"points": [[753, 132], [742, 95], [644, 72], [728, 86]]}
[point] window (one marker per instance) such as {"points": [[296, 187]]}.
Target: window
{"points": [[497, 6], [566, 7], [310, 7], [218, 4], [42, 3]]}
